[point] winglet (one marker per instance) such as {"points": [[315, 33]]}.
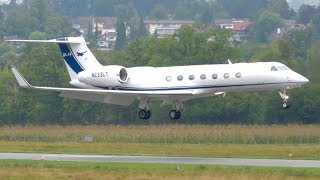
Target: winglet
{"points": [[21, 80]]}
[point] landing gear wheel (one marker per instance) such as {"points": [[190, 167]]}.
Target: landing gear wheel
{"points": [[285, 105], [285, 97], [144, 114], [174, 114]]}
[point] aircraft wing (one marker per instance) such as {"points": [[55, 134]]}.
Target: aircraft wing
{"points": [[119, 97]]}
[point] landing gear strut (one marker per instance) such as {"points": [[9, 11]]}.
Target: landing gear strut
{"points": [[285, 98]]}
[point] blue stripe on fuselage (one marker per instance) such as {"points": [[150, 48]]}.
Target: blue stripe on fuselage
{"points": [[70, 58], [191, 87]]}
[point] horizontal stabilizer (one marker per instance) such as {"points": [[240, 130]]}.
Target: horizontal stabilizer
{"points": [[58, 41]]}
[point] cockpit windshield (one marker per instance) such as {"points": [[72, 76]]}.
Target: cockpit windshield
{"points": [[281, 68]]}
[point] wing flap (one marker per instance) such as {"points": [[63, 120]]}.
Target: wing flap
{"points": [[123, 100]]}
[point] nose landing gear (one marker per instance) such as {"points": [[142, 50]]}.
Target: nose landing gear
{"points": [[285, 98]]}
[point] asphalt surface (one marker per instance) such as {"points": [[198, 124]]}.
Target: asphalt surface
{"points": [[162, 159]]}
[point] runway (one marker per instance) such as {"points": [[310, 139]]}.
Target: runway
{"points": [[162, 159]]}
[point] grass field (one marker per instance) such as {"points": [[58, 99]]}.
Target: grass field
{"points": [[20, 169], [198, 150], [292, 141], [277, 141], [166, 134]]}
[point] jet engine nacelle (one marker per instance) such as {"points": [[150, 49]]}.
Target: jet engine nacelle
{"points": [[106, 76]]}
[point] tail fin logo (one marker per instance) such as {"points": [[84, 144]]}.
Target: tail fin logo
{"points": [[66, 54], [81, 53]]}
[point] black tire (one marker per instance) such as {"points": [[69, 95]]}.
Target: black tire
{"points": [[174, 114], [285, 105], [143, 114]]}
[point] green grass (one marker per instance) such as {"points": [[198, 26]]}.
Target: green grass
{"points": [[167, 134], [29, 169], [198, 150]]}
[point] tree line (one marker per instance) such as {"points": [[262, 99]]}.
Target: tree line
{"points": [[43, 64]]}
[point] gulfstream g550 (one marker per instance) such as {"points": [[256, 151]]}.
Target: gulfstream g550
{"points": [[115, 84]]}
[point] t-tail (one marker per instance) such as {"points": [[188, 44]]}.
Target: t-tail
{"points": [[75, 52]]}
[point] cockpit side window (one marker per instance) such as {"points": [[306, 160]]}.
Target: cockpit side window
{"points": [[273, 68]]}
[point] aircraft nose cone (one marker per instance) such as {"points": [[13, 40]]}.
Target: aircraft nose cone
{"points": [[304, 79]]}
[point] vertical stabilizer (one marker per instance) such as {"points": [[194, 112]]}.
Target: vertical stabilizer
{"points": [[75, 52], [77, 55]]}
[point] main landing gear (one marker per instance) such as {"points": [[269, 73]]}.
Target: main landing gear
{"points": [[175, 113], [145, 112], [285, 98]]}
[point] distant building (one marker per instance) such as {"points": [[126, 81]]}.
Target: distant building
{"points": [[8, 1], [161, 28], [88, 25], [240, 27], [288, 26], [105, 27]]}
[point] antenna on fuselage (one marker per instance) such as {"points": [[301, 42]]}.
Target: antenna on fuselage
{"points": [[229, 61]]}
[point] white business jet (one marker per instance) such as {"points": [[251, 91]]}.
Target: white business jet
{"points": [[115, 84]]}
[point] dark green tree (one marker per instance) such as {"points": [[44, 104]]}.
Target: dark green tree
{"points": [[306, 13], [281, 7], [243, 8], [158, 12], [8, 98], [182, 12], [2, 24], [103, 8], [12, 4], [57, 26], [72, 8], [143, 6], [316, 22], [142, 31], [314, 63], [38, 12], [207, 15], [121, 35], [265, 24], [16, 24]]}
